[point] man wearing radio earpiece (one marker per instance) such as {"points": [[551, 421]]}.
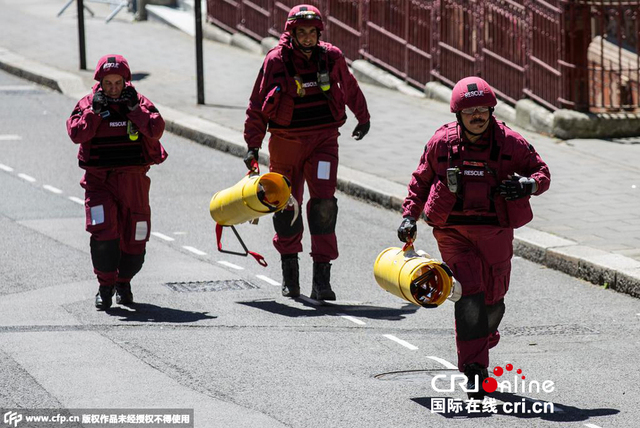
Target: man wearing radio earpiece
{"points": [[119, 132], [300, 96], [474, 182]]}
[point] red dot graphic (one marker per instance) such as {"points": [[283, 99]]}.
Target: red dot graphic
{"points": [[522, 377], [498, 371], [490, 385], [519, 371], [509, 367]]}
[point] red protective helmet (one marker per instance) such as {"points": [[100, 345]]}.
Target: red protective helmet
{"points": [[112, 64], [472, 92], [304, 14]]}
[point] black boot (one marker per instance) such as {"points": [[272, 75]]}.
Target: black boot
{"points": [[321, 289], [290, 275], [476, 374], [104, 296], [124, 296]]}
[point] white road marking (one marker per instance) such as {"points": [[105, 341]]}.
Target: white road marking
{"points": [[52, 189], [194, 250], [445, 363], [401, 342], [231, 265], [29, 178], [10, 137], [591, 426], [269, 280], [162, 236], [353, 319], [77, 200], [6, 168], [516, 257]]}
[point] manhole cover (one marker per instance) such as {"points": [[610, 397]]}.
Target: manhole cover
{"points": [[413, 375], [206, 286]]}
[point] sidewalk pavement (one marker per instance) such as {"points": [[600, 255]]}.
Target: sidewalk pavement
{"points": [[587, 224]]}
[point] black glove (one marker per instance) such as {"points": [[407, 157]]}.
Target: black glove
{"points": [[361, 130], [252, 154], [408, 229], [129, 96], [517, 187], [99, 102]]}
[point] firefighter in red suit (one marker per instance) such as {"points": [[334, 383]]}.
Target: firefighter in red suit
{"points": [[474, 182], [300, 96], [118, 131]]}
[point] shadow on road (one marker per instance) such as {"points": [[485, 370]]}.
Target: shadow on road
{"points": [[146, 312], [362, 311], [561, 412]]}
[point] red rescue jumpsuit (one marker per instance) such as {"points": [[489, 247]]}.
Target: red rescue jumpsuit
{"points": [[303, 145], [116, 186], [474, 229]]}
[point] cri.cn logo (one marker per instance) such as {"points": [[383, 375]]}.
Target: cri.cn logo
{"points": [[518, 385], [12, 418]]}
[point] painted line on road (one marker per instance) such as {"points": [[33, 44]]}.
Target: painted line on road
{"points": [[401, 342], [162, 236], [445, 363], [352, 319], [269, 280], [10, 137], [194, 250], [591, 426], [77, 200], [231, 265], [6, 168], [52, 189], [29, 178]]}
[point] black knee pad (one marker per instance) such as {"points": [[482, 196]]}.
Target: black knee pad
{"points": [[471, 317], [494, 315], [105, 255], [130, 264], [282, 223], [323, 214]]}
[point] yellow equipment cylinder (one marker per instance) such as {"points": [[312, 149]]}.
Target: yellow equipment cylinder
{"points": [[415, 277], [250, 198]]}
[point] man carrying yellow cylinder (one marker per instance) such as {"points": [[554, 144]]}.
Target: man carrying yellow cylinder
{"points": [[474, 181]]}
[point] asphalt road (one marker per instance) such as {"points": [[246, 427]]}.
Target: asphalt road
{"points": [[219, 339]]}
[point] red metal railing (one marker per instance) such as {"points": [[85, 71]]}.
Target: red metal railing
{"points": [[577, 54]]}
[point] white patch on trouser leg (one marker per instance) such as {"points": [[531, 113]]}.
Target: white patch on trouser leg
{"points": [[97, 215], [324, 170], [141, 231]]}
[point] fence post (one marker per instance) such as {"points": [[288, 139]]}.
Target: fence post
{"points": [[575, 76]]}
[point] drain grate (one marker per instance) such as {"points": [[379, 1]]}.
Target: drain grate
{"points": [[207, 286], [548, 330]]}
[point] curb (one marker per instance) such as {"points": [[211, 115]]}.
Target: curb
{"points": [[599, 267]]}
